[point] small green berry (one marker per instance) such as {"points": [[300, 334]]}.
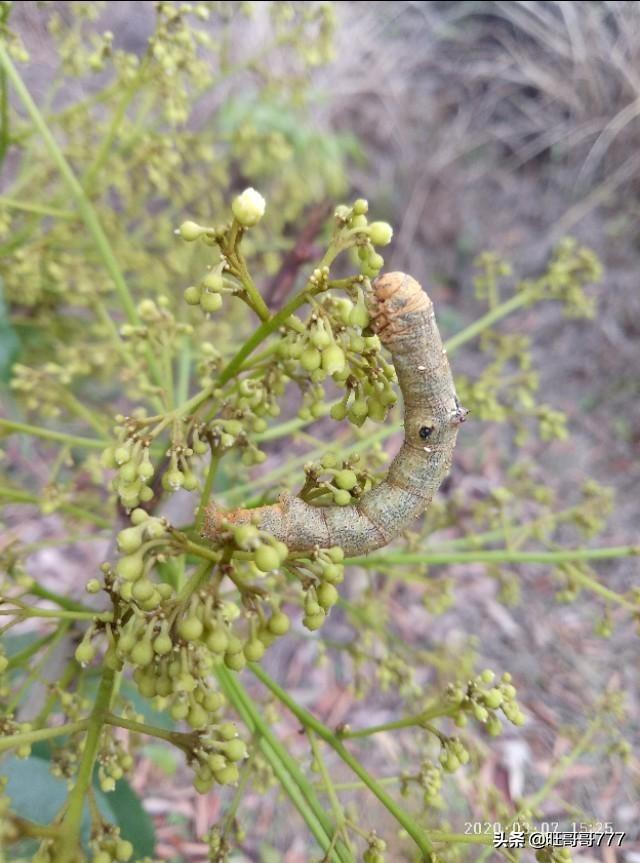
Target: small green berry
{"points": [[345, 479], [210, 303], [380, 233], [267, 558], [279, 623], [190, 628], [191, 231], [192, 295]]}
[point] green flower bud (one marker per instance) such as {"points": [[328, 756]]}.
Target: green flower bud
{"points": [[380, 233], [267, 558], [249, 207], [138, 516], [228, 775], [129, 539], [228, 731], [235, 661], [191, 231], [92, 586], [192, 295], [210, 303], [360, 206], [190, 628], [143, 589], [336, 554], [492, 698], [244, 535], [253, 651], [338, 411], [333, 359], [341, 497], [217, 641], [122, 454], [327, 595], [130, 567], [310, 359], [123, 850], [313, 621], [162, 644], [279, 623], [142, 653], [359, 316], [197, 716], [213, 282], [345, 479], [85, 652], [212, 702], [235, 750]]}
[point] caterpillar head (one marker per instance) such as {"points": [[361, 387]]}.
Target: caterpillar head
{"points": [[396, 298]]}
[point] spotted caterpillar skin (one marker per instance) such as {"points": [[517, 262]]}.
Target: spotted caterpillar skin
{"points": [[402, 315]]}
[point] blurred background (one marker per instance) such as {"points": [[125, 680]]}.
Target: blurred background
{"points": [[470, 126]]}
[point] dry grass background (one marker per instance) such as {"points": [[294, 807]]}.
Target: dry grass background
{"points": [[500, 125]]}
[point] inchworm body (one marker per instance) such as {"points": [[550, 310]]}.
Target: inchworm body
{"points": [[402, 316]]}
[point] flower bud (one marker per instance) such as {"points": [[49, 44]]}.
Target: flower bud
{"points": [[248, 207], [191, 231], [333, 359], [380, 233], [192, 295], [210, 303]]}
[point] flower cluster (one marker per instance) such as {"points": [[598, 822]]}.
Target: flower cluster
{"points": [[482, 699]]}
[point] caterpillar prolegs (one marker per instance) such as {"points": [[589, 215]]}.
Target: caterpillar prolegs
{"points": [[402, 315]]}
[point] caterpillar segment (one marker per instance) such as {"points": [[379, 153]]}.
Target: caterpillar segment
{"points": [[402, 315]]}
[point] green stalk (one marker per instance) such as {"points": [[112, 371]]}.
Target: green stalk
{"points": [[309, 721], [39, 209], [15, 495], [483, 323], [286, 769], [50, 434], [67, 847], [394, 558], [13, 740]]}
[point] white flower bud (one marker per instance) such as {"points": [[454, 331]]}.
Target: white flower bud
{"points": [[249, 207]]}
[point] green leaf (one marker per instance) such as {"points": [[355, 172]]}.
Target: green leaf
{"points": [[134, 822], [38, 795], [9, 341], [143, 706]]}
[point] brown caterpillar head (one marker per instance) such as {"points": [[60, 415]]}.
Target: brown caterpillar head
{"points": [[395, 299]]}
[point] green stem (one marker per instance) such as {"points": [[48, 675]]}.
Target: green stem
{"points": [[54, 615], [13, 740], [206, 490], [483, 323], [62, 601], [35, 670], [285, 767], [19, 496], [408, 722], [70, 825], [309, 721], [177, 738], [39, 209], [50, 434], [336, 806], [495, 556]]}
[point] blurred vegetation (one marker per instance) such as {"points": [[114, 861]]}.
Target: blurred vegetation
{"points": [[106, 149]]}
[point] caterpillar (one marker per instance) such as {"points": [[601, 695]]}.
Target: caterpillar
{"points": [[402, 315]]}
